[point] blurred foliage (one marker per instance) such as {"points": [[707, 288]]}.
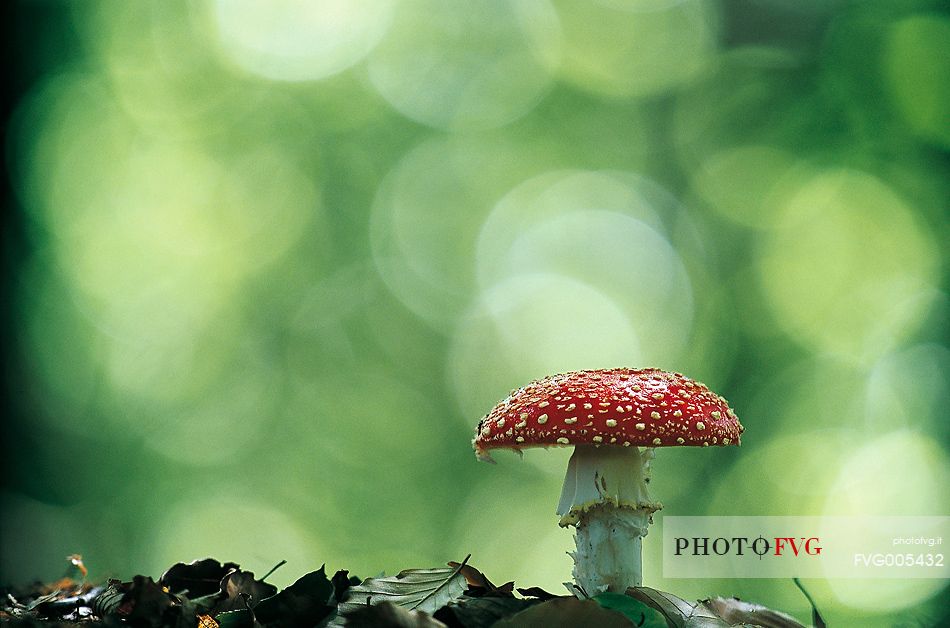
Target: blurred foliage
{"points": [[272, 261]]}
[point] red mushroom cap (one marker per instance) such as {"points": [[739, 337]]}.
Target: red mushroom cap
{"points": [[642, 407]]}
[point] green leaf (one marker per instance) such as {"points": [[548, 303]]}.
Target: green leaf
{"points": [[635, 610], [816, 618], [235, 619], [415, 589]]}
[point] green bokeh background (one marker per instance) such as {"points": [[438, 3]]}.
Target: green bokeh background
{"points": [[272, 261]]}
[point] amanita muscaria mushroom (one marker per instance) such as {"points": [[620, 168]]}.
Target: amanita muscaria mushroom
{"points": [[608, 415]]}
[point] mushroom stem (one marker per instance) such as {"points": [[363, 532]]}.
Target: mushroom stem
{"points": [[605, 496]]}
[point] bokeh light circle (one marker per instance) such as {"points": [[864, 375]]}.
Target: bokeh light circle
{"points": [[428, 213], [907, 389], [574, 273], [72, 125], [874, 478], [808, 461], [751, 84], [741, 183], [639, 5], [225, 421], [916, 67], [161, 63], [614, 51], [531, 326], [300, 40], [471, 65], [900, 473], [600, 229], [848, 270], [155, 238]]}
